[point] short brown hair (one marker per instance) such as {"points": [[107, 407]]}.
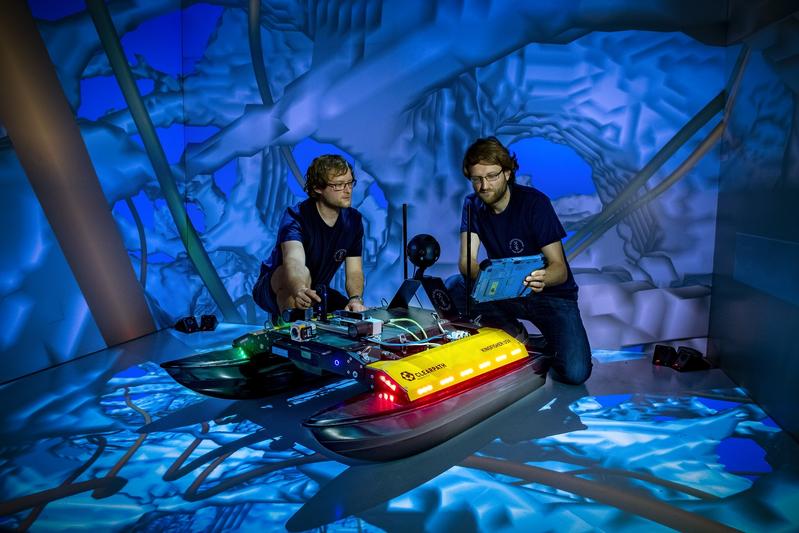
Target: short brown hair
{"points": [[489, 151], [322, 169]]}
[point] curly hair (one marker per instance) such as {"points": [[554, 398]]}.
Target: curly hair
{"points": [[489, 151], [322, 169]]}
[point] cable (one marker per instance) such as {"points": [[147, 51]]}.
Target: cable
{"points": [[377, 339], [406, 330], [438, 323], [384, 343], [412, 321], [434, 337]]}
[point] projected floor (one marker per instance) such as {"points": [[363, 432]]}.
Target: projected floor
{"points": [[110, 442]]}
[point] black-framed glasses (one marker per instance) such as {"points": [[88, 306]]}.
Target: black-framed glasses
{"points": [[489, 178], [341, 186]]}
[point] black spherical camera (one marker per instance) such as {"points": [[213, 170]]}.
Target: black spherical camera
{"points": [[423, 251]]}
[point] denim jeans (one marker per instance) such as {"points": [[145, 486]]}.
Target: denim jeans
{"points": [[558, 319]]}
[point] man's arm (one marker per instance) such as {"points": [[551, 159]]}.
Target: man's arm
{"points": [[353, 268], [555, 272], [295, 290], [462, 261]]}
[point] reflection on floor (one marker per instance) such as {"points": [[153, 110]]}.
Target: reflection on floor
{"points": [[111, 442]]}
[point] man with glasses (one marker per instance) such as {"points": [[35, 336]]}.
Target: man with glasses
{"points": [[315, 237], [512, 220]]}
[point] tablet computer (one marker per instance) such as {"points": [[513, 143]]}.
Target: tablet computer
{"points": [[501, 279]]}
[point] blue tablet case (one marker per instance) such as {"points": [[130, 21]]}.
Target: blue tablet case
{"points": [[502, 278]]}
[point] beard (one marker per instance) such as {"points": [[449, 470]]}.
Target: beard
{"points": [[495, 194], [339, 202]]}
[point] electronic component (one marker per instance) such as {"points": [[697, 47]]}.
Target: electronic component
{"points": [[354, 315], [302, 331], [253, 343], [292, 314], [377, 326], [359, 329], [365, 328], [456, 334], [320, 308]]}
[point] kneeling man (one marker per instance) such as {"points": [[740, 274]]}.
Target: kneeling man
{"points": [[315, 237], [511, 221]]}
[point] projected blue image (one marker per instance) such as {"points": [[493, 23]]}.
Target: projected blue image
{"points": [[603, 113], [135, 450]]}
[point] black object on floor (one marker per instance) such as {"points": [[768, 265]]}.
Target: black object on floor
{"points": [[187, 324], [682, 359], [689, 359], [208, 322], [664, 355]]}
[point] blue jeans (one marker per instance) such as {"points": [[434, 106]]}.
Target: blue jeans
{"points": [[558, 319]]}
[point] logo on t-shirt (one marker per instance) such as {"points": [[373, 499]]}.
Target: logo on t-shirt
{"points": [[340, 255], [516, 246]]}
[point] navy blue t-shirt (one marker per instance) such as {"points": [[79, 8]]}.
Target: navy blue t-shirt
{"points": [[527, 224], [325, 247]]}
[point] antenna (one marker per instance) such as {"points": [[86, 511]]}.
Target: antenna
{"points": [[404, 241], [468, 260]]}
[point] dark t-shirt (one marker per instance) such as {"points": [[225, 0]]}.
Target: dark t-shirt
{"points": [[325, 247], [527, 224]]}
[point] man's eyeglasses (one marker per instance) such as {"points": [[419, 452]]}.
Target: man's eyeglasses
{"points": [[341, 186], [490, 178]]}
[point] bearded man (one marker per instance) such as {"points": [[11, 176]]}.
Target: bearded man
{"points": [[512, 220]]}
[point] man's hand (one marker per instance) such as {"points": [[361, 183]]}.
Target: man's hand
{"points": [[355, 305], [304, 298], [536, 280]]}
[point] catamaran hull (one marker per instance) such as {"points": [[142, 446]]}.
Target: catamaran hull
{"points": [[225, 374], [364, 429]]}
